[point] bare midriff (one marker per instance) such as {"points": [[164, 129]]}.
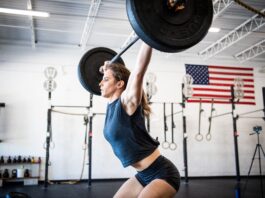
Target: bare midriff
{"points": [[146, 162]]}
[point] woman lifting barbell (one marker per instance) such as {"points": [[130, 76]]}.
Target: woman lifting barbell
{"points": [[125, 130]]}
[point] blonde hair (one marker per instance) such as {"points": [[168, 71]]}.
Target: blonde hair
{"points": [[120, 72]]}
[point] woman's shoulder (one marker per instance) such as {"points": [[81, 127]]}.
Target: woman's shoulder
{"points": [[128, 106]]}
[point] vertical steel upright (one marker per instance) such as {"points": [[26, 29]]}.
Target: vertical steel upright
{"points": [[235, 133], [48, 140], [90, 141], [185, 152]]}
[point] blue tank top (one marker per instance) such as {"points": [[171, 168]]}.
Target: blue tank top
{"points": [[127, 135]]}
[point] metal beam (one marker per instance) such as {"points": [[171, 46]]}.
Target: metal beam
{"points": [[219, 6], [240, 32], [32, 30], [251, 52], [92, 13]]}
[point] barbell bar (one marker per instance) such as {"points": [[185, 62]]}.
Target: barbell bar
{"points": [[128, 43]]}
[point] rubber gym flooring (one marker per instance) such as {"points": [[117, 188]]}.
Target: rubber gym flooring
{"points": [[196, 188]]}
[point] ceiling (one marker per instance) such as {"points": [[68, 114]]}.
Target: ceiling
{"points": [[83, 24]]}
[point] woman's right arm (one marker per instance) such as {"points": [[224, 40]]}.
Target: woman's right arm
{"points": [[132, 96]]}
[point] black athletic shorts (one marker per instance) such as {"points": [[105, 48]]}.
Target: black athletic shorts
{"points": [[161, 168]]}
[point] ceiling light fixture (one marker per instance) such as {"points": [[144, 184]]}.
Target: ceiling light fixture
{"points": [[24, 12], [214, 29]]}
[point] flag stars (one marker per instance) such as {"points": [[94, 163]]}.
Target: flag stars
{"points": [[199, 73]]}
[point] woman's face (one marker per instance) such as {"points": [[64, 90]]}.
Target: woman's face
{"points": [[108, 84]]}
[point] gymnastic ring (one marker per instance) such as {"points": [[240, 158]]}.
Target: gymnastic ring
{"points": [[165, 145], [208, 137], [199, 137], [173, 146], [85, 146], [52, 145]]}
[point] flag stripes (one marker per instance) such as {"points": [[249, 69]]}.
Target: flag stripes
{"points": [[213, 83]]}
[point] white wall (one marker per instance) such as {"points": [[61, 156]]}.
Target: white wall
{"points": [[23, 121]]}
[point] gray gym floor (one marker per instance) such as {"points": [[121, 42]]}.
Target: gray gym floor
{"points": [[196, 188]]}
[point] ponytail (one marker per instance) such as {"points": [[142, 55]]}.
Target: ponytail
{"points": [[145, 105]]}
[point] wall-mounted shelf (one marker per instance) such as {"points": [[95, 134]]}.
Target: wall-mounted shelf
{"points": [[19, 163], [18, 179], [31, 179]]}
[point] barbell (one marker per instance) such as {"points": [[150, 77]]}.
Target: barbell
{"points": [[166, 25]]}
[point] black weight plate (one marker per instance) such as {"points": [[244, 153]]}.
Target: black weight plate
{"points": [[167, 30], [89, 65]]}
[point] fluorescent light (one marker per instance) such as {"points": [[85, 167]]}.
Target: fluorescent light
{"points": [[214, 29], [24, 12]]}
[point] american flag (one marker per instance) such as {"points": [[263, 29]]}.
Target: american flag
{"points": [[213, 83]]}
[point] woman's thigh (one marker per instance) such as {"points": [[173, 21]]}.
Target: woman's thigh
{"points": [[158, 188], [130, 189]]}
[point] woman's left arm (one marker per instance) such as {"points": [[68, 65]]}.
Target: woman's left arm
{"points": [[132, 95]]}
